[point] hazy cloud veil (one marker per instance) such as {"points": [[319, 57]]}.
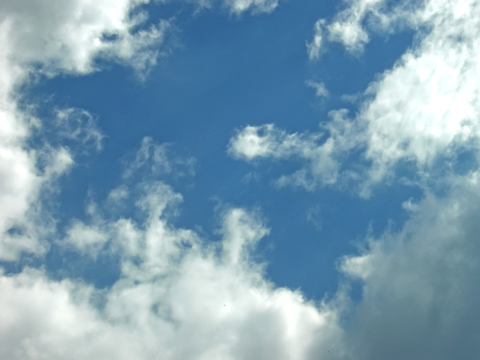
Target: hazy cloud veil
{"points": [[180, 295]]}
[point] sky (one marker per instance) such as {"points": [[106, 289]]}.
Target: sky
{"points": [[239, 179]]}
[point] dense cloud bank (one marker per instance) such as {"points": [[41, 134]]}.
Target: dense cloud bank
{"points": [[181, 296]]}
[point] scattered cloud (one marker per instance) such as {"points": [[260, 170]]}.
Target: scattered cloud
{"points": [[320, 89], [177, 295], [80, 126], [319, 154], [256, 6], [314, 216], [158, 160], [425, 107], [351, 26], [181, 296], [50, 38]]}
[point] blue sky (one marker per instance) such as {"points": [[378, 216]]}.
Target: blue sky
{"points": [[239, 180]]}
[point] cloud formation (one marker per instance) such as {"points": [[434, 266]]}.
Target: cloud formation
{"points": [[351, 26], [180, 296], [320, 156], [418, 298], [424, 108], [50, 38], [177, 296]]}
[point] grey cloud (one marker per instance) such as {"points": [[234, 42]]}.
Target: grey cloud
{"points": [[419, 299]]}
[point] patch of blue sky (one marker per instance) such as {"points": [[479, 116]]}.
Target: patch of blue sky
{"points": [[227, 73]]}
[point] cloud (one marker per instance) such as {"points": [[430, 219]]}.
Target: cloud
{"points": [[417, 295], [158, 160], [319, 154], [320, 89], [67, 36], [422, 110], [428, 105], [351, 26], [79, 125], [178, 296], [49, 38], [184, 297], [315, 47], [256, 6]]}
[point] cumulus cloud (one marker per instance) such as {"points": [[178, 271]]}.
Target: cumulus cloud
{"points": [[183, 297], [351, 26], [67, 36], [321, 155], [418, 300], [424, 108], [180, 296], [177, 296], [50, 38]]}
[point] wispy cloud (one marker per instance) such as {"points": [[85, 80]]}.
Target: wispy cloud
{"points": [[425, 107]]}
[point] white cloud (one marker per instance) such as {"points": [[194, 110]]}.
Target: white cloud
{"points": [[187, 298], [67, 36], [350, 26], [319, 154], [428, 103], [425, 107], [315, 48], [52, 37], [238, 7], [268, 141], [256, 6], [320, 89], [178, 296], [182, 297]]}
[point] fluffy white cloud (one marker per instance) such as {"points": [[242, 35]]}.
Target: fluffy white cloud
{"points": [[428, 103], [67, 36], [427, 106], [186, 298], [350, 26], [181, 297], [51, 37], [178, 297]]}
